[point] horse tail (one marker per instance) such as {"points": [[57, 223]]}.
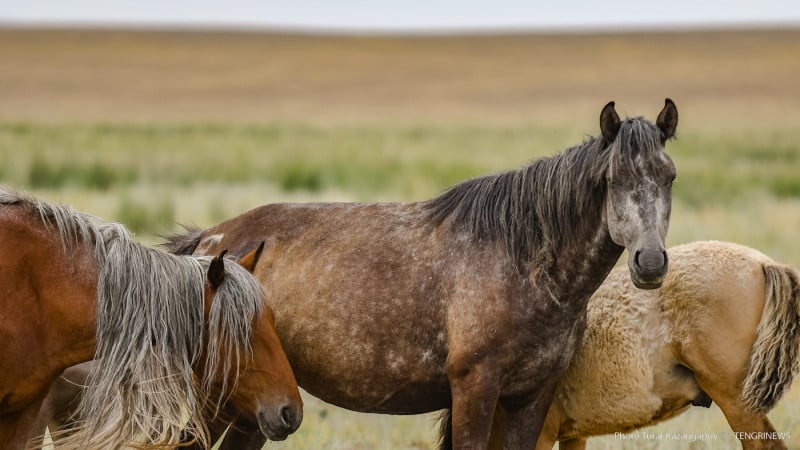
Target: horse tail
{"points": [[775, 358], [183, 243], [446, 430]]}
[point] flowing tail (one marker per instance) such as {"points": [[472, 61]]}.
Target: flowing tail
{"points": [[775, 358]]}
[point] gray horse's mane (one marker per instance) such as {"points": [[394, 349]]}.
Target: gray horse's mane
{"points": [[151, 330], [547, 204]]}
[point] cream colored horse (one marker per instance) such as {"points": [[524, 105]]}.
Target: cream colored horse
{"points": [[725, 326]]}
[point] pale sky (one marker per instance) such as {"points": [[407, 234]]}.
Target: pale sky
{"points": [[406, 15]]}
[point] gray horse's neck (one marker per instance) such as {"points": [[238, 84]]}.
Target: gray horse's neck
{"points": [[573, 273]]}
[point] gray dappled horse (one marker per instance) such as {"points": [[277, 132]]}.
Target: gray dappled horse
{"points": [[473, 297]]}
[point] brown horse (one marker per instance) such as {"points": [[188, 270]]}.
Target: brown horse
{"points": [[725, 326], [409, 308], [77, 288]]}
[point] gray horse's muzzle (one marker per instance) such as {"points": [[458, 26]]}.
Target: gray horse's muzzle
{"points": [[648, 267]]}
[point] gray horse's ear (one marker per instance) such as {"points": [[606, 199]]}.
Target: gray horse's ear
{"points": [[216, 270], [250, 260], [667, 120], [609, 122]]}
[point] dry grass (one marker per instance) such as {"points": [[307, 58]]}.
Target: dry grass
{"points": [[149, 128], [725, 79]]}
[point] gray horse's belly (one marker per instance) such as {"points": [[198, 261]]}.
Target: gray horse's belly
{"points": [[346, 377], [410, 398], [378, 361]]}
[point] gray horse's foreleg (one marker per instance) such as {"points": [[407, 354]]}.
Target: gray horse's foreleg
{"points": [[524, 421], [474, 392]]}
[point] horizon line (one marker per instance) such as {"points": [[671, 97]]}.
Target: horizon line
{"points": [[489, 30]]}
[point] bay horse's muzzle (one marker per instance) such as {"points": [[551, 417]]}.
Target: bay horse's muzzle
{"points": [[649, 267], [278, 423]]}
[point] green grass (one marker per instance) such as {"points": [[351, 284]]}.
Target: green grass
{"points": [[364, 163], [141, 217], [368, 162], [724, 170], [98, 176], [362, 160]]}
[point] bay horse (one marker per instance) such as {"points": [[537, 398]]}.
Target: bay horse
{"points": [[723, 327], [77, 288], [474, 298]]}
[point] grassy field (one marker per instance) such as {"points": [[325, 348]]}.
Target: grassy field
{"points": [[156, 128]]}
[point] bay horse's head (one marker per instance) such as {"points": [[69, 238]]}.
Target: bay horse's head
{"points": [[639, 195], [265, 391]]}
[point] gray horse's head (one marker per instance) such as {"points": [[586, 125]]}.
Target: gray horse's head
{"points": [[639, 196]]}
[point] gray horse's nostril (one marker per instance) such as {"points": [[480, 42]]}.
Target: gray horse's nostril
{"points": [[650, 260]]}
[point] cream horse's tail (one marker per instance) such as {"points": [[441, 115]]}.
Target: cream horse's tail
{"points": [[775, 358]]}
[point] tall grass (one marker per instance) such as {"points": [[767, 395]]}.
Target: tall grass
{"points": [[365, 163], [157, 215], [363, 160]]}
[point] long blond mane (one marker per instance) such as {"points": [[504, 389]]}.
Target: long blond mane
{"points": [[151, 332]]}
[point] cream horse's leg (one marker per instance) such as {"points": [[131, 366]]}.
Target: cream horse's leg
{"points": [[722, 383], [742, 420], [552, 425]]}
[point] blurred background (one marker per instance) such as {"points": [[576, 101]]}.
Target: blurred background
{"points": [[194, 112]]}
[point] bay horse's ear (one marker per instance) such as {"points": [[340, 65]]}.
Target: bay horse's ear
{"points": [[609, 122], [667, 120], [216, 270], [250, 260]]}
